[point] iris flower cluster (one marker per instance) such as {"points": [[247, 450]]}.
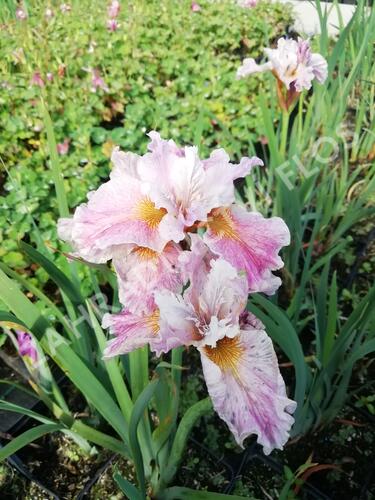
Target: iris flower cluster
{"points": [[186, 257]]}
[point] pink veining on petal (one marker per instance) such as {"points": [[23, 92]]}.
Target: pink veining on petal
{"points": [[195, 264], [118, 213], [209, 309], [131, 331], [251, 243], [142, 271], [320, 67], [249, 66], [246, 388], [187, 187]]}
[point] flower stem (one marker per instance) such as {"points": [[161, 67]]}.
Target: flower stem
{"points": [[284, 133]]}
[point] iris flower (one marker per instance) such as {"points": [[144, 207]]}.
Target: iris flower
{"points": [[26, 345], [186, 257], [294, 66]]}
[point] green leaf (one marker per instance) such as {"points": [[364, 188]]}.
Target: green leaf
{"points": [[280, 329], [61, 280], [40, 295], [179, 493], [187, 422], [60, 351], [28, 437], [329, 338], [139, 409], [112, 367], [128, 488], [8, 406], [58, 178], [11, 321]]}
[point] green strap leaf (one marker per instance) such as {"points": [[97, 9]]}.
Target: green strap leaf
{"points": [[58, 348], [126, 487], [188, 420], [61, 280], [179, 493], [332, 321], [100, 438], [7, 406], [112, 367], [58, 178], [280, 329], [6, 317], [138, 412], [28, 437]]}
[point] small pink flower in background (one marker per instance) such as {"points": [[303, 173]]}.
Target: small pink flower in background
{"points": [[26, 346], [97, 81], [65, 8], [114, 9], [195, 7], [63, 147], [112, 25], [21, 13], [248, 4], [49, 14], [49, 77], [184, 287], [37, 79]]}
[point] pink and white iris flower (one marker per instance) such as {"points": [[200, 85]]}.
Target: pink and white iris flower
{"points": [[186, 257], [292, 63]]}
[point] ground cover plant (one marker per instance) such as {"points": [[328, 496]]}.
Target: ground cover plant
{"points": [[253, 179], [107, 88]]}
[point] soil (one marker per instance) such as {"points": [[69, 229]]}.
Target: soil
{"points": [[212, 461]]}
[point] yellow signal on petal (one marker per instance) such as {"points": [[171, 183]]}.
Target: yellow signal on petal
{"points": [[227, 353], [147, 212], [221, 224]]}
